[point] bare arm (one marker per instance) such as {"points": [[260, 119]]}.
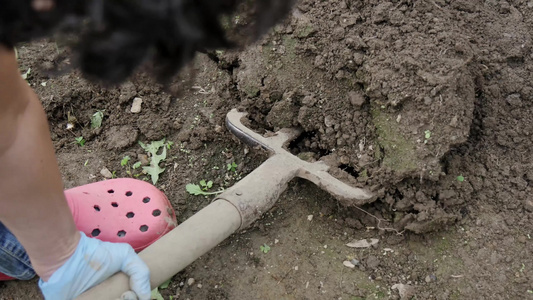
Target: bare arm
{"points": [[32, 204]]}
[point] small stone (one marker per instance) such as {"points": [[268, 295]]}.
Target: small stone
{"points": [[296, 268], [430, 278], [136, 106], [329, 121], [106, 173], [309, 100], [405, 291], [310, 218], [372, 262], [355, 262], [199, 285], [191, 281], [120, 137], [454, 121], [528, 205], [514, 100], [348, 264], [356, 99], [353, 223]]}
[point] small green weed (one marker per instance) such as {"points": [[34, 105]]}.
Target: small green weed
{"points": [[80, 141], [460, 178], [153, 149], [427, 136], [156, 295], [206, 185], [232, 167], [136, 165], [201, 188], [165, 284], [265, 248], [125, 160]]}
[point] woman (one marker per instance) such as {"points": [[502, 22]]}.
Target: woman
{"points": [[36, 223]]}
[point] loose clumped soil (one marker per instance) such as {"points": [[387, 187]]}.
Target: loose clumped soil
{"points": [[426, 104]]}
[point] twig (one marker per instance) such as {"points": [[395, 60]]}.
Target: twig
{"points": [[435, 4], [286, 274], [379, 222]]}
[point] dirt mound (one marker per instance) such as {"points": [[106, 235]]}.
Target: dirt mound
{"points": [[390, 87]]}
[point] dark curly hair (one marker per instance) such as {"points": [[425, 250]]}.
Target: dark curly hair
{"points": [[114, 37]]}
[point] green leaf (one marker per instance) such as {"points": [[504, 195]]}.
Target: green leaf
{"points": [[265, 248], [156, 295], [209, 184], [136, 165], [196, 190], [460, 178], [153, 147], [80, 141], [427, 134], [165, 284], [154, 172], [232, 167], [143, 146], [96, 119], [125, 160], [203, 183], [154, 169]]}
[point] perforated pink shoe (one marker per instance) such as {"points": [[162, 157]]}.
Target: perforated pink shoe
{"points": [[4, 277], [122, 210]]}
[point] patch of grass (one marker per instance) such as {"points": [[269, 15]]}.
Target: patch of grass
{"points": [[399, 152], [306, 31]]}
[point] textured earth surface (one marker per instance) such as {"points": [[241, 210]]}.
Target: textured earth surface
{"points": [[426, 104]]}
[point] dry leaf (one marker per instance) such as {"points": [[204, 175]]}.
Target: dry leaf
{"points": [[362, 243]]}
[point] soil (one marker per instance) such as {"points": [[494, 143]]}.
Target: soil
{"points": [[426, 104]]}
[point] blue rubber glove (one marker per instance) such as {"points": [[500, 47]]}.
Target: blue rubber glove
{"points": [[93, 262]]}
